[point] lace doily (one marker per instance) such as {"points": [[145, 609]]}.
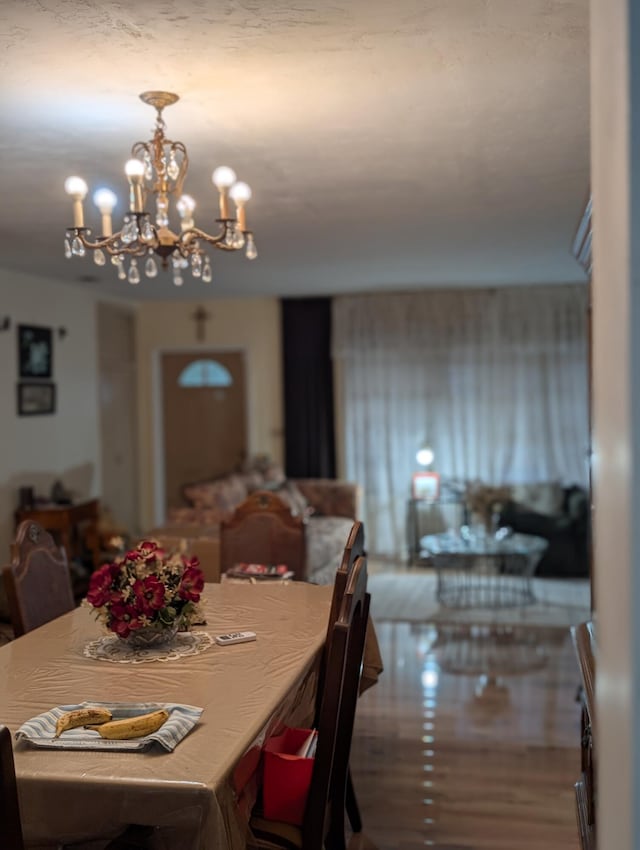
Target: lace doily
{"points": [[112, 648]]}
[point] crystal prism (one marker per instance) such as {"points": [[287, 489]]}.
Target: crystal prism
{"points": [[238, 239], [130, 232], [178, 280], [122, 275], [173, 169], [147, 234], [151, 267], [196, 265], [77, 248], [251, 252], [67, 249], [162, 211], [207, 275], [98, 257], [134, 274]]}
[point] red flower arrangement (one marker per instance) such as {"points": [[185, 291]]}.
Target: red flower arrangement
{"points": [[145, 587]]}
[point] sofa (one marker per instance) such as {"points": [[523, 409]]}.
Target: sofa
{"points": [[556, 512], [327, 506]]}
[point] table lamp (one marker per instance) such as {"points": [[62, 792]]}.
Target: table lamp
{"points": [[425, 455]]}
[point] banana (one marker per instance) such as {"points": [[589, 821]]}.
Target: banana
{"points": [[80, 717], [132, 727]]}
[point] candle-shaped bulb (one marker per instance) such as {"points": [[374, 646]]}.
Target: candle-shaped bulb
{"points": [[134, 169], [223, 177], [240, 193], [105, 200], [185, 206], [77, 189]]}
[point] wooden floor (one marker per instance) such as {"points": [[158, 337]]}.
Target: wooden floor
{"points": [[470, 740]]}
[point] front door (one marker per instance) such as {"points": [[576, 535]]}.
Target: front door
{"points": [[204, 417]]}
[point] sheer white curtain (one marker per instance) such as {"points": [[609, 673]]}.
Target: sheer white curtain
{"points": [[495, 380]]}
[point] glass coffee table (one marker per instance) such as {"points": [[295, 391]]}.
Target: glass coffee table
{"points": [[477, 570]]}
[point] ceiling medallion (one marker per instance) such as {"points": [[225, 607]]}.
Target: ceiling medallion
{"points": [[158, 168]]}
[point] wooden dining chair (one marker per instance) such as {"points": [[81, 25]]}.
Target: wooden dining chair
{"points": [[353, 549], [37, 581], [323, 825], [263, 530], [10, 825]]}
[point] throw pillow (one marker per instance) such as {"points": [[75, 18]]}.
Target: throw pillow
{"points": [[544, 497], [202, 495], [292, 497]]}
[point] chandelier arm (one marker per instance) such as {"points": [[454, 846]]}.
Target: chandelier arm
{"points": [[195, 233], [138, 250], [111, 244]]}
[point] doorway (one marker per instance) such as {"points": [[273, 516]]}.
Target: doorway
{"points": [[118, 419], [204, 417]]}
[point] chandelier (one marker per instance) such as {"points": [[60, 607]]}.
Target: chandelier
{"points": [[158, 168]]}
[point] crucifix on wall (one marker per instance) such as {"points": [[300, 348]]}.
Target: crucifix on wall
{"points": [[200, 317]]}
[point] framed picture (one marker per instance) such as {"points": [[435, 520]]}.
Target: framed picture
{"points": [[36, 398], [35, 352], [425, 486]]}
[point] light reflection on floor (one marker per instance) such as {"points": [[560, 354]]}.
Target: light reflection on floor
{"points": [[470, 740]]}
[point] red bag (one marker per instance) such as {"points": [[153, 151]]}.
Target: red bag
{"points": [[287, 777]]}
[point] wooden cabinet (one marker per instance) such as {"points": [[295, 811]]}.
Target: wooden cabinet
{"points": [[64, 523], [585, 788]]}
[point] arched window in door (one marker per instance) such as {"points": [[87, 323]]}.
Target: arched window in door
{"points": [[205, 373]]}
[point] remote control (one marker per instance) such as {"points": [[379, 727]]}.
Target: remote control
{"points": [[235, 637]]}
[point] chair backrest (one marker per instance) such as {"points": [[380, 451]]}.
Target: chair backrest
{"points": [[10, 827], [263, 531], [353, 549], [205, 549], [324, 814], [37, 581]]}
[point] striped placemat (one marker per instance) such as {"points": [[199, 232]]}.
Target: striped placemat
{"points": [[39, 731]]}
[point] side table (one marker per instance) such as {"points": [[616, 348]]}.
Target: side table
{"points": [[63, 522]]}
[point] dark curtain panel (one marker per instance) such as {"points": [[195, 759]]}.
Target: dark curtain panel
{"points": [[308, 388]]}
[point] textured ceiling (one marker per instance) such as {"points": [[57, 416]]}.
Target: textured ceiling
{"points": [[388, 145]]}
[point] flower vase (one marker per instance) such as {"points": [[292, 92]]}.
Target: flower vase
{"points": [[153, 635]]}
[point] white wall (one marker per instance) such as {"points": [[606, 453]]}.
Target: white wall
{"points": [[252, 325], [615, 149], [37, 450]]}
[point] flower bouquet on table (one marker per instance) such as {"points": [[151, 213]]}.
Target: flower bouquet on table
{"points": [[146, 596]]}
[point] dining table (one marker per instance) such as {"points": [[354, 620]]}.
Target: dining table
{"points": [[198, 796]]}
